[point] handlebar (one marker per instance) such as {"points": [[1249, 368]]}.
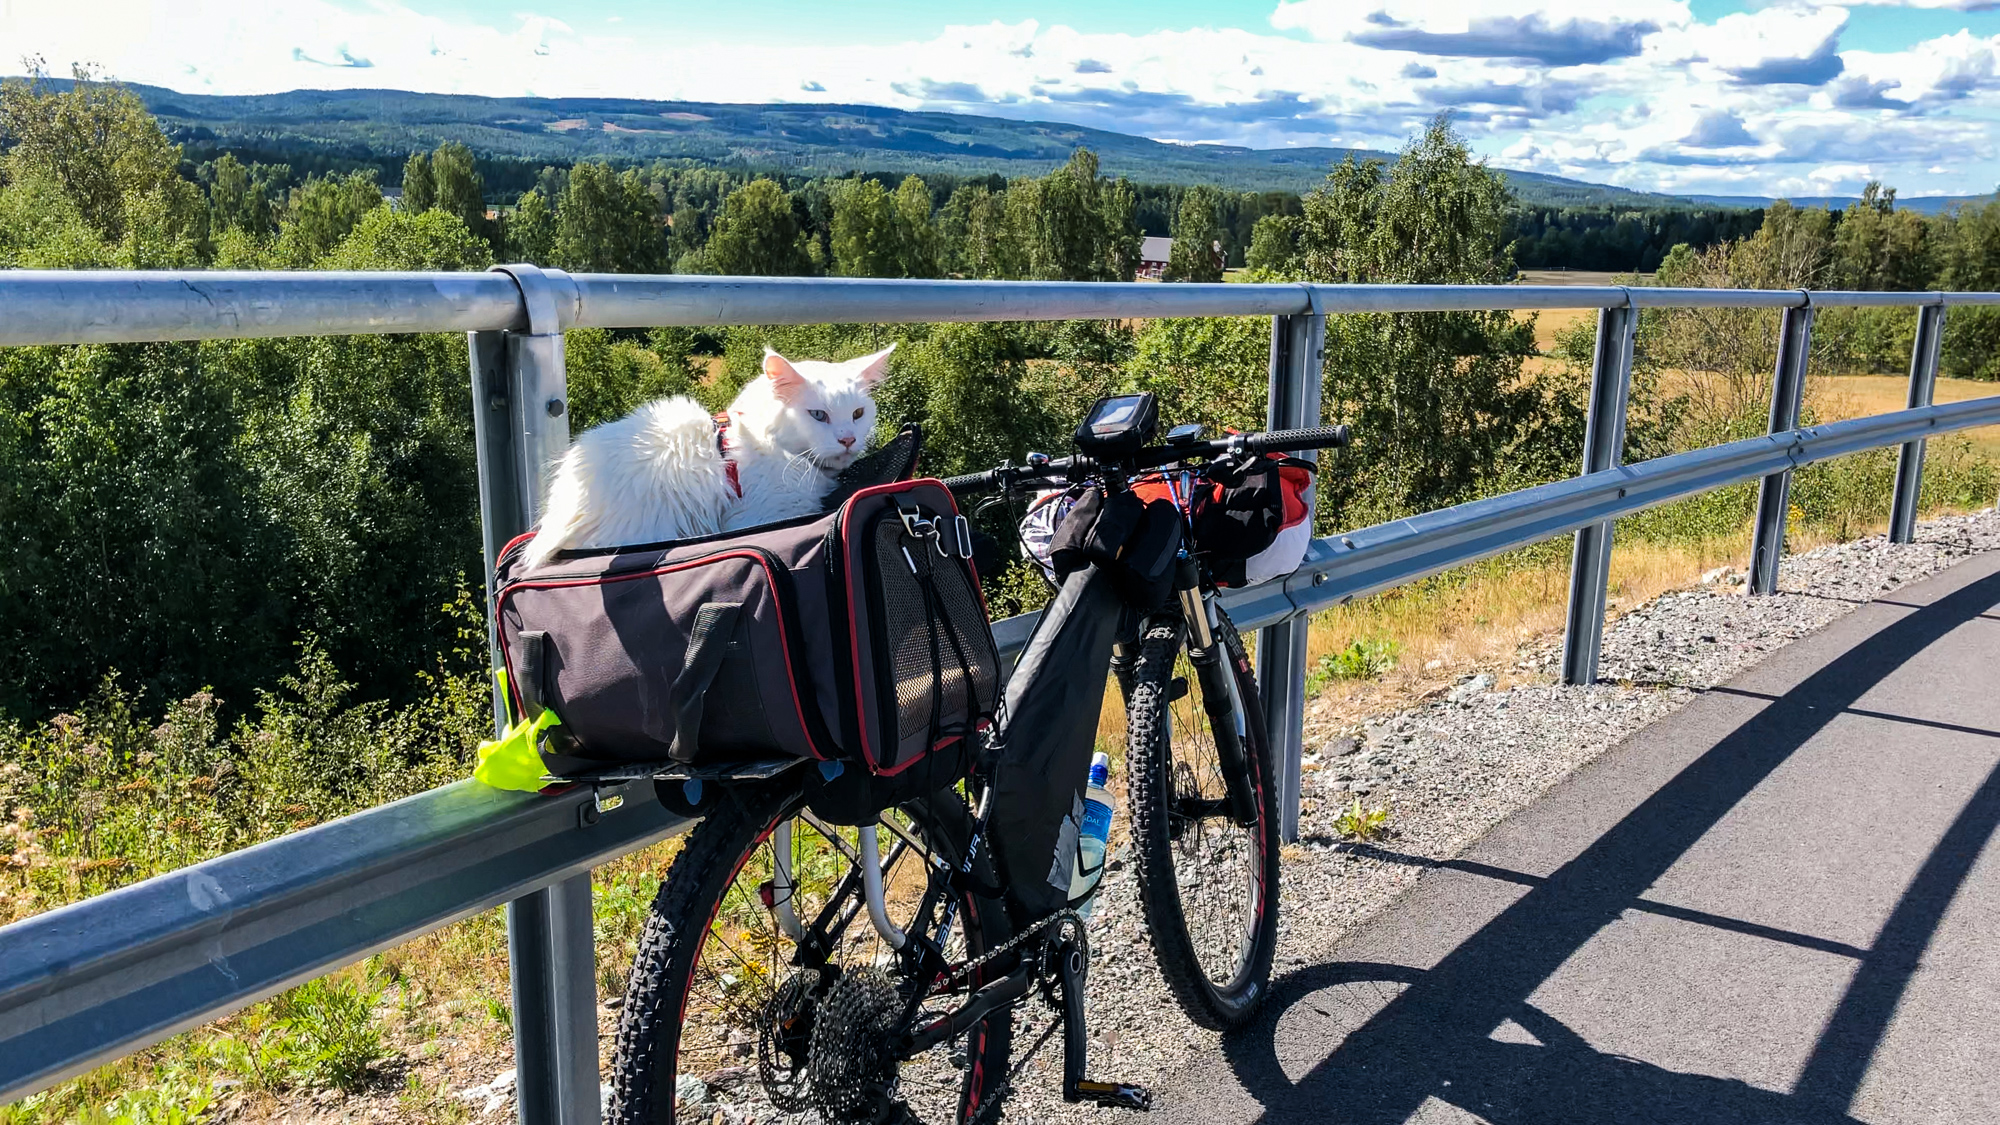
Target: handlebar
{"points": [[1274, 441], [1293, 441]]}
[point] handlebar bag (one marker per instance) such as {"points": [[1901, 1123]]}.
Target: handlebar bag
{"points": [[1133, 538], [859, 636], [1253, 526]]}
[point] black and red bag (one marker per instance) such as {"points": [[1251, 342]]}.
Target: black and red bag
{"points": [[858, 637], [1251, 526]]}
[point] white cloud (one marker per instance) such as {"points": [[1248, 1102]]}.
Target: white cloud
{"points": [[1952, 5], [1950, 68], [1639, 92], [1553, 32], [1771, 46]]}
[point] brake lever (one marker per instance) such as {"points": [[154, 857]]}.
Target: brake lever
{"points": [[1226, 470]]}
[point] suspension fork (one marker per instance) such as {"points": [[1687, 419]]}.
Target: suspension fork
{"points": [[1219, 696], [1124, 657]]}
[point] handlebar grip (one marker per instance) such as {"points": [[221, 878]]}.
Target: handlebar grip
{"points": [[970, 482], [1292, 441]]}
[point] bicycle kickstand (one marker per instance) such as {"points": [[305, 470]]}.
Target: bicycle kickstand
{"points": [[1070, 969]]}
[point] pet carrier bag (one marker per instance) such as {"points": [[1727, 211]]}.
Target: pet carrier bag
{"points": [[857, 637]]}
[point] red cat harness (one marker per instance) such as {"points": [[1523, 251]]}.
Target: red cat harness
{"points": [[722, 448]]}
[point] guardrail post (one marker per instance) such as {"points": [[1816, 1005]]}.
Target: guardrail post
{"points": [[1297, 350], [1788, 388], [521, 419], [1910, 460], [1603, 448]]}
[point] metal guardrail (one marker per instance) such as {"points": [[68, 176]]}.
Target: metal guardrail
{"points": [[85, 983]]}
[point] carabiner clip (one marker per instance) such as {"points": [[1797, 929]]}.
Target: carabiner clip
{"points": [[914, 523]]}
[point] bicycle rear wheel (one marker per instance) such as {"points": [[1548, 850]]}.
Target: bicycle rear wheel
{"points": [[724, 1020], [1209, 884]]}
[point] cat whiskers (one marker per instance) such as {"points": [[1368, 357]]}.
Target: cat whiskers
{"points": [[799, 467]]}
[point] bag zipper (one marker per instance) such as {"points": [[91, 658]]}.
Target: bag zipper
{"points": [[782, 592], [838, 607]]}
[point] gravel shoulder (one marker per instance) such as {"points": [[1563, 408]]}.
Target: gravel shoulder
{"points": [[1452, 767]]}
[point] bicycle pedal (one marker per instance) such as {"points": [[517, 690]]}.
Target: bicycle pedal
{"points": [[1115, 1095], [1178, 689]]}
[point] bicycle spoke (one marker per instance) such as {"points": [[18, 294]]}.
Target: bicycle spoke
{"points": [[724, 1034]]}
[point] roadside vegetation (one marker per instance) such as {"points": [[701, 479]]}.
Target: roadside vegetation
{"points": [[241, 574]]}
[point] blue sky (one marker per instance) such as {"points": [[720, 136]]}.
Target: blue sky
{"points": [[1793, 97]]}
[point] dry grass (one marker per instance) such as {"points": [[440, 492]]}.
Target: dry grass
{"points": [[1482, 617], [1580, 277], [1549, 323], [1854, 396]]}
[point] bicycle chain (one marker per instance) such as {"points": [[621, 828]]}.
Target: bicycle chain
{"points": [[962, 972]]}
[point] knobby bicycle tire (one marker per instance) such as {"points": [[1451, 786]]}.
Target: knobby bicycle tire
{"points": [[648, 1043], [1167, 858]]}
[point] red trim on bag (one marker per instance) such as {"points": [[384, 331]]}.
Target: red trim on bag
{"points": [[515, 542], [770, 581]]}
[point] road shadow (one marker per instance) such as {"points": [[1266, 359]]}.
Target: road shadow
{"points": [[1541, 1074], [1424, 1035]]}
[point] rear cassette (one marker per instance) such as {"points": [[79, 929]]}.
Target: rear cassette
{"points": [[852, 1063]]}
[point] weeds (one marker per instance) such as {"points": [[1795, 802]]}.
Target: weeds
{"points": [[1356, 823], [1363, 659], [326, 1033], [501, 1013], [434, 1104], [175, 1098]]}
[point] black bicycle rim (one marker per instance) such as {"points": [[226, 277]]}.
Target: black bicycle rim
{"points": [[1208, 885]]}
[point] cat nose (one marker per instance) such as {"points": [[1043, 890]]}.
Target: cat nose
{"points": [[847, 442]]}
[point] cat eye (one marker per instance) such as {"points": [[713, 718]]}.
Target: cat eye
{"points": [[819, 416], [857, 411]]}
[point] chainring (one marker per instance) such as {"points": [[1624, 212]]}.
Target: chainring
{"points": [[852, 1063]]}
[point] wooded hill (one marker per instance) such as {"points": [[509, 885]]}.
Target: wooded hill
{"points": [[370, 126]]}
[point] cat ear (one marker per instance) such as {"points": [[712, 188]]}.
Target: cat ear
{"points": [[786, 382], [874, 367]]}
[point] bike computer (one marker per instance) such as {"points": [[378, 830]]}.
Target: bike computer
{"points": [[1118, 426]]}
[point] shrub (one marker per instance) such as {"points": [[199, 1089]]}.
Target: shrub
{"points": [[1364, 658]]}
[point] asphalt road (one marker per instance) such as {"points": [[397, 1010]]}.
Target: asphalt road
{"points": [[1779, 904]]}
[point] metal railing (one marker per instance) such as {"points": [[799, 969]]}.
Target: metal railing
{"points": [[85, 983]]}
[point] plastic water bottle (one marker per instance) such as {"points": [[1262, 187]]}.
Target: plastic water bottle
{"points": [[1091, 840]]}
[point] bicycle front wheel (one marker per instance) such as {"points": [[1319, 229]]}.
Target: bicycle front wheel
{"points": [[1207, 879]]}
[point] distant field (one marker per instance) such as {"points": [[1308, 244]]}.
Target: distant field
{"points": [[1550, 322], [1581, 277], [1856, 396]]}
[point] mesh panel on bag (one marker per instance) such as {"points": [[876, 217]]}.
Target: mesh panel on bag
{"points": [[914, 662], [965, 615]]}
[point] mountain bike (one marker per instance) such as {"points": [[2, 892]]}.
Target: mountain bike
{"points": [[759, 992]]}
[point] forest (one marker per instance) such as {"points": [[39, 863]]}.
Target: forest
{"points": [[1584, 236], [241, 577]]}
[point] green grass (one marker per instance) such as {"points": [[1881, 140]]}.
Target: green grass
{"points": [[1364, 658]]}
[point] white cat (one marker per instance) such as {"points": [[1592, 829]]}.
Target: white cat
{"points": [[670, 470]]}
